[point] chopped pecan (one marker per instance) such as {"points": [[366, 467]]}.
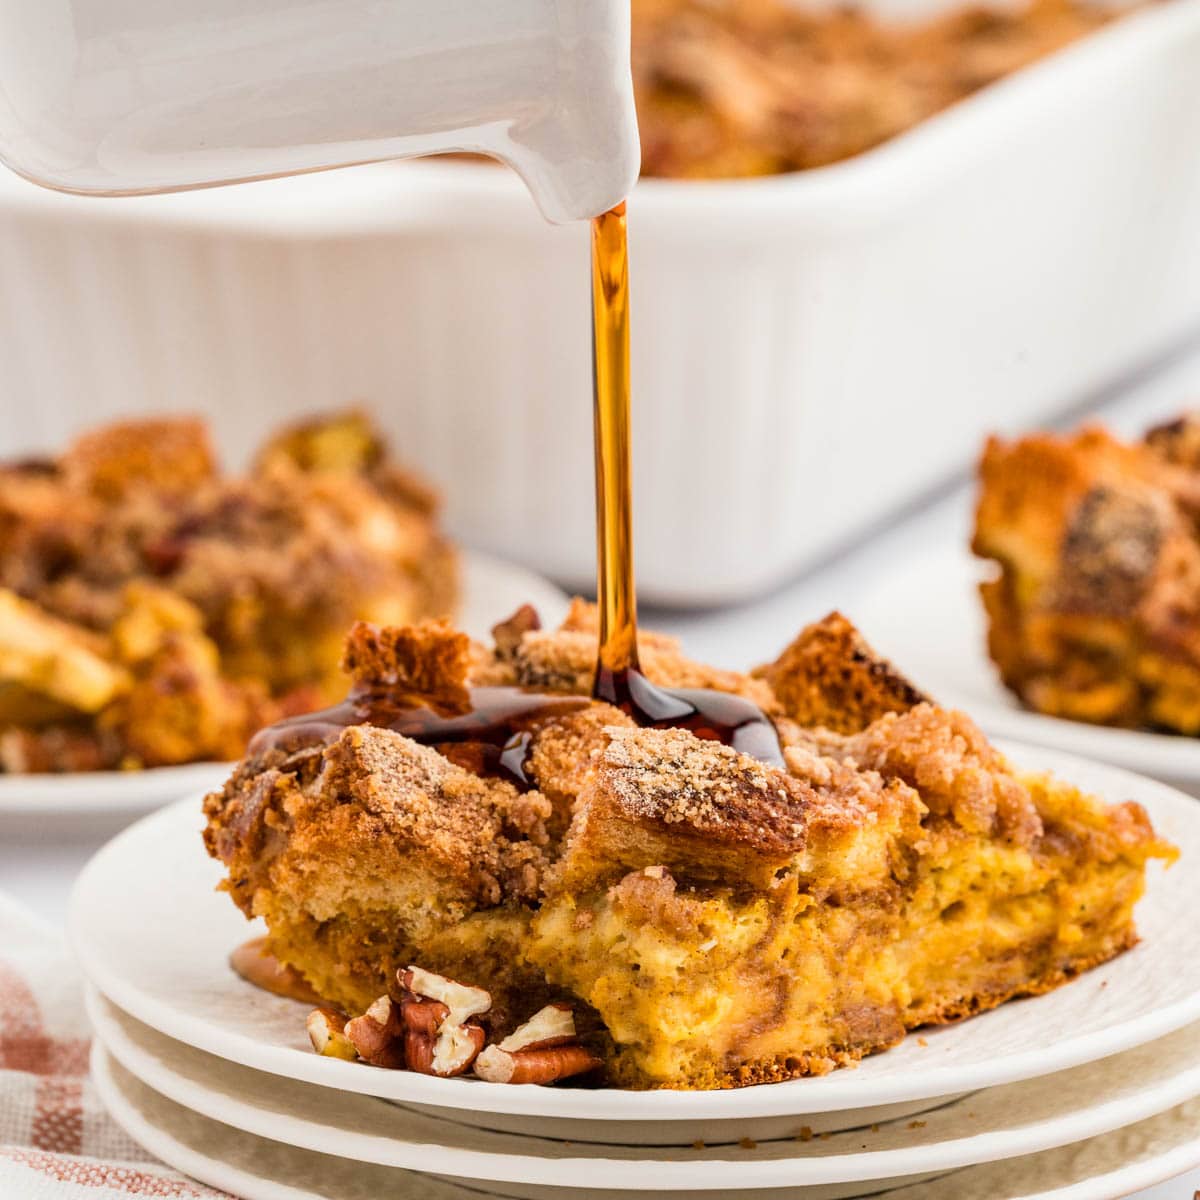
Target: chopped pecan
{"points": [[327, 1032], [553, 1025], [508, 634], [441, 1035], [543, 1050], [378, 1035], [534, 1066], [463, 1001]]}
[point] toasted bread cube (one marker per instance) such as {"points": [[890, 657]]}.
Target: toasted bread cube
{"points": [[831, 678]]}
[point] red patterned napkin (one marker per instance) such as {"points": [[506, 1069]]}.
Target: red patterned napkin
{"points": [[56, 1140]]}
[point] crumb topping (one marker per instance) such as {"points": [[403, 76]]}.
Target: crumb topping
{"points": [[564, 660], [605, 789], [956, 771], [669, 775]]}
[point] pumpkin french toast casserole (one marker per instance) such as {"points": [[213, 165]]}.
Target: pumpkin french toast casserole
{"points": [[155, 611], [735, 88], [710, 921], [1094, 610]]}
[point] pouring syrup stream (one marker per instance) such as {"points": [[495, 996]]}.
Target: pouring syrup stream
{"points": [[620, 681], [616, 593], [491, 734]]}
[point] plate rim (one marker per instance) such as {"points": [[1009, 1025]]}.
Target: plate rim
{"points": [[833, 1092], [1129, 749], [61, 793], [644, 1170]]}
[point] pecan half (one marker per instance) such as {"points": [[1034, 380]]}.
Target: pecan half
{"points": [[441, 1035], [422, 1018], [543, 1050], [451, 1053], [534, 1066], [463, 1001], [378, 1035]]}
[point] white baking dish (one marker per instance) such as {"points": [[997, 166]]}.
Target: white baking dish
{"points": [[810, 351]]}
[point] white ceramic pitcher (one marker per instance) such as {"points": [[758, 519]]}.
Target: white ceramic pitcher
{"points": [[128, 96]]}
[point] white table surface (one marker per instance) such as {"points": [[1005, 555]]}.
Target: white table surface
{"points": [[39, 868]]}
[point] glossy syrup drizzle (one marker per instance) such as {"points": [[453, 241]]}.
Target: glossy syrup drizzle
{"points": [[490, 732], [619, 678]]}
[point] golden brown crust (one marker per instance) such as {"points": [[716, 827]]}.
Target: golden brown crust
{"points": [[481, 832], [565, 755], [430, 661], [830, 677], [1095, 611]]}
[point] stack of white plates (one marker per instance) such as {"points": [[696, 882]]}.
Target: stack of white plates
{"points": [[1087, 1093]]}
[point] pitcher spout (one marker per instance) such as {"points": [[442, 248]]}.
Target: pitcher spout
{"points": [[163, 95]]}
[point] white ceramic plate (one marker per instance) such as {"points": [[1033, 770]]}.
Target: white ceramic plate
{"points": [[254, 1168], [930, 620], [1004, 1122], [84, 793], [144, 887], [492, 589]]}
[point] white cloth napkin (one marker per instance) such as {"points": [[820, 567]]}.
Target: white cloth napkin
{"points": [[56, 1140]]}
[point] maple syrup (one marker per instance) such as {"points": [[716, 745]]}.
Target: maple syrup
{"points": [[490, 734], [256, 965], [721, 716]]}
